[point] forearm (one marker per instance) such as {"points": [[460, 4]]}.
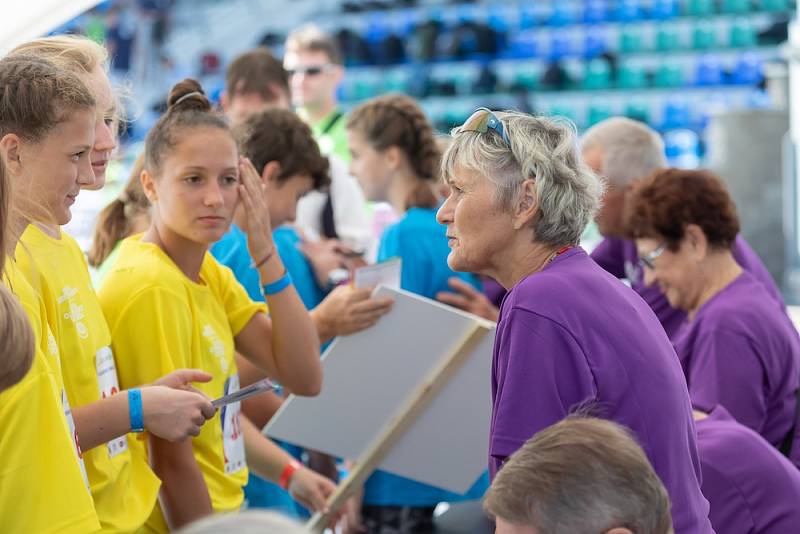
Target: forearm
{"points": [[264, 457], [322, 325], [102, 421], [183, 496], [294, 340]]}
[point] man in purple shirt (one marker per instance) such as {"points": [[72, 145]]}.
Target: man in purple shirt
{"points": [[750, 486], [623, 151], [570, 336]]}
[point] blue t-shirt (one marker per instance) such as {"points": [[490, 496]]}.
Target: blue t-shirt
{"points": [[421, 243], [232, 251]]}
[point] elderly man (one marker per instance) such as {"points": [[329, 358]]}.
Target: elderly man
{"points": [[579, 475], [569, 334], [623, 150]]}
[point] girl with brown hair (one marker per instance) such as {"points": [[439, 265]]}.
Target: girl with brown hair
{"points": [[395, 158], [170, 304]]}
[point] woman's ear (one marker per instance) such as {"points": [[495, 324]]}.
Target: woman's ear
{"points": [[527, 205], [393, 156], [11, 149], [149, 186], [696, 240]]}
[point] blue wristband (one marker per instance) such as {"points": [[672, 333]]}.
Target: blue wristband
{"points": [[278, 285], [135, 409]]}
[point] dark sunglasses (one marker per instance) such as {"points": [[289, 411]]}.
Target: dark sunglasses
{"points": [[314, 70], [483, 120]]}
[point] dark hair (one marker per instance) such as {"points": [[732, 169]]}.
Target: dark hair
{"points": [[581, 475], [662, 205], [280, 135], [256, 71], [115, 221], [35, 97], [396, 120], [187, 107]]}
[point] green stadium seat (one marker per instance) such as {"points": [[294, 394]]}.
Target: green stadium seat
{"points": [[631, 77], [630, 39], [704, 36], [742, 35], [597, 75], [667, 38], [699, 8]]}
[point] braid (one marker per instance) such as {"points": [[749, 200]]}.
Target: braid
{"points": [[396, 120]]}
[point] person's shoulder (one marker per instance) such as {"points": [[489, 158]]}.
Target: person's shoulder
{"points": [[742, 304], [140, 267]]}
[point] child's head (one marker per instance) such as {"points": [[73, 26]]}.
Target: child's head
{"points": [[47, 130], [89, 61], [390, 135], [280, 136], [16, 340], [191, 168]]}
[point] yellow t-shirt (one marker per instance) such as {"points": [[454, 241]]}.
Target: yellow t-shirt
{"points": [[123, 486], [42, 482], [160, 321]]}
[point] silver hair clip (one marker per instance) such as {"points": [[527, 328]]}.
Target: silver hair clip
{"points": [[187, 95]]}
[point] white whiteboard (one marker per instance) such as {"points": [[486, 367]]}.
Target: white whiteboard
{"points": [[368, 376]]}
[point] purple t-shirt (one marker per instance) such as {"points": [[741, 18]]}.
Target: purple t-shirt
{"points": [[620, 258], [574, 336], [493, 290], [751, 487], [743, 352]]}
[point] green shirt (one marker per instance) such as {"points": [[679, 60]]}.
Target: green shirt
{"points": [[330, 135]]}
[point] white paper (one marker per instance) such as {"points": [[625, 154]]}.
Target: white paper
{"points": [[386, 273], [369, 376]]}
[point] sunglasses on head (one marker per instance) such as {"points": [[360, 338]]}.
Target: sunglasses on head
{"points": [[483, 120], [313, 70]]}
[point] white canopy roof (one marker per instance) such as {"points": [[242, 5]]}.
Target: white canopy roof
{"points": [[23, 20]]}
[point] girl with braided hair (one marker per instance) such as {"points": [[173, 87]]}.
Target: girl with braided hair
{"points": [[396, 159]]}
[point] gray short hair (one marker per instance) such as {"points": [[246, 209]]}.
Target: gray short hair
{"points": [[630, 149], [543, 150], [247, 522], [580, 475]]}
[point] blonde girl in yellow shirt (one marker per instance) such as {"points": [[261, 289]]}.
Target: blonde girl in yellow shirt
{"points": [[123, 486], [170, 304], [44, 115]]}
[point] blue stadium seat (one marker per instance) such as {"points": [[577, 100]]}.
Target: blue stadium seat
{"points": [[708, 71], [664, 9], [748, 70], [628, 11], [595, 11], [676, 114], [595, 42]]}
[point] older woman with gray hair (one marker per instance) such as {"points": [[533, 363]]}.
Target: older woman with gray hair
{"points": [[569, 336]]}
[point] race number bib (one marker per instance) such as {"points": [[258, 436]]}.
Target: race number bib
{"points": [[73, 433], [109, 385], [232, 439]]}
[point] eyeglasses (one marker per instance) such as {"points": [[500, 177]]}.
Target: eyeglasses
{"points": [[648, 259], [483, 120], [313, 70]]}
